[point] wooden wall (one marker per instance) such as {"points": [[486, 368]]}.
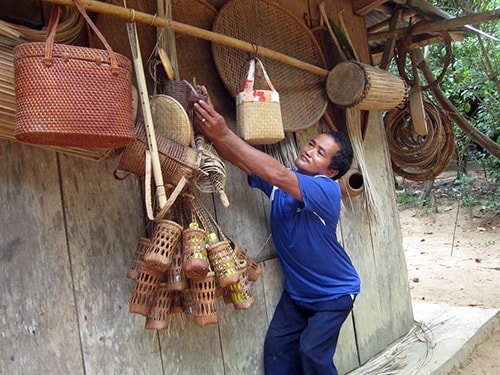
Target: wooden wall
{"points": [[68, 231]]}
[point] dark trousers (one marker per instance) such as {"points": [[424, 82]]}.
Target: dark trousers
{"points": [[302, 337]]}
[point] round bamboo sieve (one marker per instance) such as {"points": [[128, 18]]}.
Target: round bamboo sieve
{"points": [[268, 24]]}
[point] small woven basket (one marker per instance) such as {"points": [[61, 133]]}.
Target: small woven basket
{"points": [[176, 279], [241, 295], [176, 160], [194, 255], [258, 112], [251, 267], [159, 254], [204, 301], [182, 91], [177, 305], [138, 259], [143, 295], [188, 303], [159, 316], [222, 262]]}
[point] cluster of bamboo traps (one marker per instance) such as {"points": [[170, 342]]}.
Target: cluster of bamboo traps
{"points": [[186, 265]]}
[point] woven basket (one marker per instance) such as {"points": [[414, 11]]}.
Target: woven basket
{"points": [[251, 267], [268, 24], [176, 160], [159, 316], [176, 278], [72, 96], [258, 112], [182, 91], [145, 287], [222, 263], [204, 301], [352, 84], [159, 254], [138, 259], [194, 255], [188, 302], [241, 296], [177, 305]]}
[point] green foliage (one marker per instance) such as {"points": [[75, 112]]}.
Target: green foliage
{"points": [[472, 80]]}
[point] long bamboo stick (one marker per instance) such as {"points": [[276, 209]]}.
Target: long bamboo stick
{"points": [[154, 20], [148, 119]]}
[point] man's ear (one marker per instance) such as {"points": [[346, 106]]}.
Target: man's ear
{"points": [[332, 173]]}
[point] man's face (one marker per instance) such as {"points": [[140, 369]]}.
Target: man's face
{"points": [[316, 156]]}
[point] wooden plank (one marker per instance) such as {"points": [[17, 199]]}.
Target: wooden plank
{"points": [[383, 311], [242, 334], [38, 319], [104, 219], [189, 349]]}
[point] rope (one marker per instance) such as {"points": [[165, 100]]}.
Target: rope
{"points": [[420, 158]]}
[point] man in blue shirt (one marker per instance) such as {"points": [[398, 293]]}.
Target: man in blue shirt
{"points": [[320, 281]]}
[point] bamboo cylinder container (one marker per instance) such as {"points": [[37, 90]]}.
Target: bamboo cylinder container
{"points": [[352, 84]]}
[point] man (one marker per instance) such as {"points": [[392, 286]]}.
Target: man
{"points": [[320, 282]]}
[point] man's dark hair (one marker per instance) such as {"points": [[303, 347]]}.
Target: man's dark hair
{"points": [[342, 160]]}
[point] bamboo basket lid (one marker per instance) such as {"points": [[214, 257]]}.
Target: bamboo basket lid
{"points": [[268, 24], [194, 55]]}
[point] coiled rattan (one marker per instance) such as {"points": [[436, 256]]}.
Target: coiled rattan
{"points": [[415, 157]]}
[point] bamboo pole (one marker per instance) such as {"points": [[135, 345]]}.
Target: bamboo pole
{"points": [[132, 15], [437, 26], [146, 110]]}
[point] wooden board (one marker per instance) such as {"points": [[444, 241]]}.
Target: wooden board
{"points": [[104, 220], [39, 324]]}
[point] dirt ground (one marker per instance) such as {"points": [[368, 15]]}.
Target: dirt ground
{"points": [[453, 251]]}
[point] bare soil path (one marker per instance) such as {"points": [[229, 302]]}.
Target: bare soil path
{"points": [[452, 249]]}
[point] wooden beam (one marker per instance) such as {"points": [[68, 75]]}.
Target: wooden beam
{"points": [[441, 25], [362, 7], [389, 44], [385, 24]]}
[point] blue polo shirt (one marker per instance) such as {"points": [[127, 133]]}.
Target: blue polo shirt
{"points": [[315, 266]]}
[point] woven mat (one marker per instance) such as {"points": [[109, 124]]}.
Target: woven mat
{"points": [[194, 55], [268, 24]]}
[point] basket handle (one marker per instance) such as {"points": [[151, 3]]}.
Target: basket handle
{"points": [[51, 34], [255, 64]]}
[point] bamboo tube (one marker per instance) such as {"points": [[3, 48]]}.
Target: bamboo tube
{"points": [[135, 16]]}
